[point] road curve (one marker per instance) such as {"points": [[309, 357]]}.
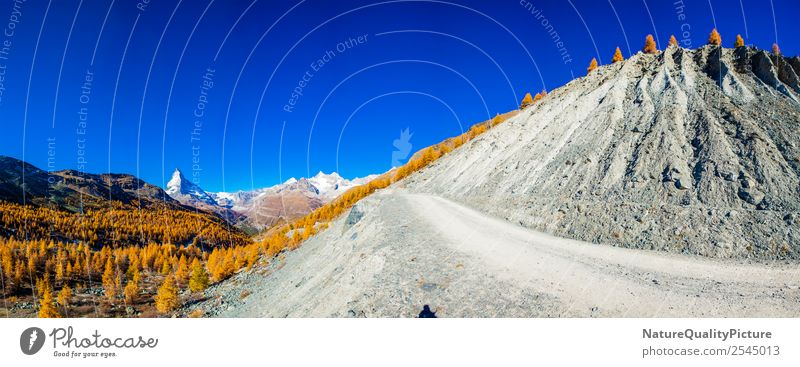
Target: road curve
{"points": [[398, 251], [614, 281]]}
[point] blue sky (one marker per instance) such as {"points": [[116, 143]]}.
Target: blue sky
{"points": [[289, 88]]}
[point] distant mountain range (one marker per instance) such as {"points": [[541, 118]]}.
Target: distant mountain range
{"points": [[73, 190], [252, 210], [258, 209]]}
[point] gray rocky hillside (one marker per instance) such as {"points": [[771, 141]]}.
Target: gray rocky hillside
{"points": [[690, 151]]}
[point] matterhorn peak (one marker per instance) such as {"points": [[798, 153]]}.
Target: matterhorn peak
{"points": [[176, 183], [185, 191]]}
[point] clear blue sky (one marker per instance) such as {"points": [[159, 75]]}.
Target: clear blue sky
{"points": [[432, 66]]}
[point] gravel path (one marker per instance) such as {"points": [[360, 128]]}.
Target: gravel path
{"points": [[398, 251]]}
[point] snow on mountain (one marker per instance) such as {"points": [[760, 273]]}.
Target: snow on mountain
{"points": [[185, 191], [239, 200], [328, 187], [332, 185], [363, 180], [291, 199]]}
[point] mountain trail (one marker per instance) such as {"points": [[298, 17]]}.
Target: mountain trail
{"points": [[398, 251]]}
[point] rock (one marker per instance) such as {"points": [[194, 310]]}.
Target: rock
{"points": [[682, 184], [748, 183], [355, 215], [765, 69], [429, 286], [751, 196]]}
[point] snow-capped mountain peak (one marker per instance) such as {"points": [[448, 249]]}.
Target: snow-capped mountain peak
{"points": [[185, 191], [294, 197], [329, 185]]}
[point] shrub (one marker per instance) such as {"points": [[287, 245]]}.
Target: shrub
{"points": [[198, 313]]}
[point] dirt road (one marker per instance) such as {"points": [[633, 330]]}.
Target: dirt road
{"points": [[622, 282], [400, 251]]}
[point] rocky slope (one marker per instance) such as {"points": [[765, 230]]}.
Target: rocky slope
{"points": [[691, 151]]}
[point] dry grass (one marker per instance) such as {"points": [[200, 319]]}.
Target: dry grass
{"points": [[244, 294], [196, 314]]}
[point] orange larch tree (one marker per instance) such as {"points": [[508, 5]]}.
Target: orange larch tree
{"points": [[739, 41], [109, 281], [47, 306], [167, 296], [673, 41], [617, 56], [592, 66], [526, 101], [714, 38], [649, 45]]}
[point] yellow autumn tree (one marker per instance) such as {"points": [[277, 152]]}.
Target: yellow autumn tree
{"points": [[539, 96], [775, 49], [166, 268], [673, 41], [131, 289], [592, 66], [109, 281], [60, 270], [649, 45], [198, 281], [714, 38], [47, 306], [182, 270], [64, 297], [617, 56], [526, 101], [167, 296], [739, 41]]}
